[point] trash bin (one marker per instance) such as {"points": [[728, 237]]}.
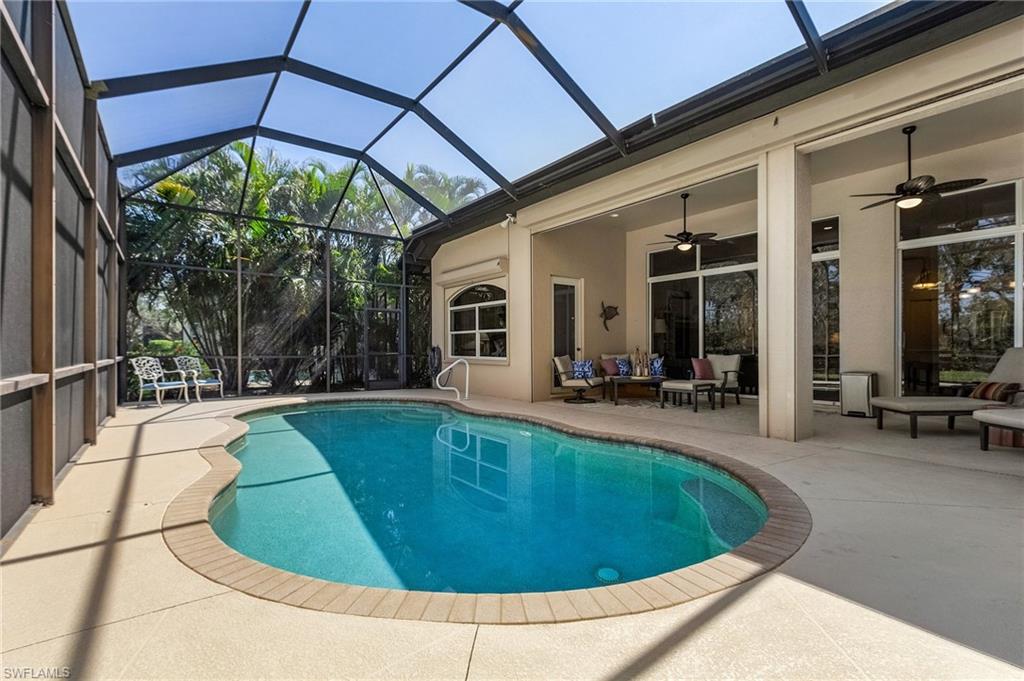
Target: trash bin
{"points": [[856, 388]]}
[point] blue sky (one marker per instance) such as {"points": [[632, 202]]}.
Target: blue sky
{"points": [[632, 58]]}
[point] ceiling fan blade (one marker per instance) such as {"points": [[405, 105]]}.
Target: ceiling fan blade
{"points": [[880, 203], [703, 235], [864, 195], [673, 236], [662, 243], [956, 185], [919, 184]]}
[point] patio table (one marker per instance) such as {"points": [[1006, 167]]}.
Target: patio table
{"points": [[633, 380]]}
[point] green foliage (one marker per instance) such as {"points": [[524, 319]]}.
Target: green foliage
{"points": [[183, 281]]}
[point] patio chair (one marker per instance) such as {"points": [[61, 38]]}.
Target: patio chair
{"points": [[727, 373], [1009, 370], [192, 371], [563, 368], [151, 377]]}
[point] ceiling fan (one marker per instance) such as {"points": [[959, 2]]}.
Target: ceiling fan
{"points": [[920, 189], [686, 240]]}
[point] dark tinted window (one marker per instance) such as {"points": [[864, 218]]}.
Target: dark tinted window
{"points": [[825, 235], [983, 208], [482, 293], [672, 261], [737, 250]]}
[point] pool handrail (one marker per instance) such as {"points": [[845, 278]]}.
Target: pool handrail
{"points": [[459, 396]]}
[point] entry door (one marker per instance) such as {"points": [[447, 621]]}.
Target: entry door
{"points": [[567, 324]]}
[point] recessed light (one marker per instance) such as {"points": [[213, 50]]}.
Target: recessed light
{"points": [[615, 215]]}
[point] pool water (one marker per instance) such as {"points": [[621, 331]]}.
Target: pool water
{"points": [[427, 498]]}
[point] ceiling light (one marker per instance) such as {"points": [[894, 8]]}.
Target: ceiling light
{"points": [[615, 215], [684, 246], [909, 202], [827, 228]]}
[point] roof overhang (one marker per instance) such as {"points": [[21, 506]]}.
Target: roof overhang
{"points": [[870, 45]]}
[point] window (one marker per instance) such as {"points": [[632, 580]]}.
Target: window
{"points": [[477, 322], [960, 267], [705, 301], [730, 313], [825, 307]]}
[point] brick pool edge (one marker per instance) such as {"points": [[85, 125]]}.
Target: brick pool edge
{"points": [[188, 534]]}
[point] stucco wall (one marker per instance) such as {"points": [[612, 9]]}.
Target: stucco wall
{"points": [[597, 257], [510, 377]]}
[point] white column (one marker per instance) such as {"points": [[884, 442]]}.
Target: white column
{"points": [[784, 295]]}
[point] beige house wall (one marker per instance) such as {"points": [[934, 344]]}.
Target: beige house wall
{"points": [[596, 257], [510, 377], [972, 69]]}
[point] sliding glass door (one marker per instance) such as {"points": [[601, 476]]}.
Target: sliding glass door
{"points": [[960, 262]]}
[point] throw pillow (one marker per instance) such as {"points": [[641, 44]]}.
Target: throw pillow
{"points": [[625, 368], [610, 367], [583, 368], [702, 369], [1000, 392], [658, 366]]}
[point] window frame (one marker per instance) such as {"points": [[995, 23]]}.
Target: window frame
{"points": [[1016, 231], [476, 331], [828, 256]]}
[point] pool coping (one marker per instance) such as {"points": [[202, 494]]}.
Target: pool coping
{"points": [[190, 537]]}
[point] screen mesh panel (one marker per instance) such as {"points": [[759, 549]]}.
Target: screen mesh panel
{"points": [[69, 410], [16, 207], [15, 457], [70, 90], [70, 272]]}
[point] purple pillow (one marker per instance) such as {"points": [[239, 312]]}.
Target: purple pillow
{"points": [[610, 366], [702, 369]]}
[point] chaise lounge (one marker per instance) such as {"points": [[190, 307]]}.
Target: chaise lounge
{"points": [[1009, 371], [1004, 419]]}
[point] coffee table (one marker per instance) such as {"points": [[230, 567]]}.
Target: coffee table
{"points": [[632, 380]]}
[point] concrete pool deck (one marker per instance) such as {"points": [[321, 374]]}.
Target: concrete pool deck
{"points": [[913, 569]]}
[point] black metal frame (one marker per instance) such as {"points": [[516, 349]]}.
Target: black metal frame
{"points": [[875, 41]]}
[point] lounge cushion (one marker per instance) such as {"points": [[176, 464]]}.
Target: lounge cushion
{"points": [[939, 405], [702, 368], [582, 368], [684, 385], [610, 366], [582, 383], [163, 384], [563, 365], [993, 390], [1007, 418]]}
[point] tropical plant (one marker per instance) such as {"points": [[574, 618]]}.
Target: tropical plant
{"points": [[186, 262]]}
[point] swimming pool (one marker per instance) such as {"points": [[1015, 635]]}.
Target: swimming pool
{"points": [[426, 498]]}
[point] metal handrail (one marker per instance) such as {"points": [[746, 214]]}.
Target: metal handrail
{"points": [[458, 395]]}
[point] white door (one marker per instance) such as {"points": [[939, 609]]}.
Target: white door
{"points": [[567, 320]]}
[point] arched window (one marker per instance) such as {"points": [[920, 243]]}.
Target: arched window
{"points": [[477, 322]]}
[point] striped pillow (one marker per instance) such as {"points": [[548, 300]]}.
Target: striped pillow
{"points": [[999, 392]]}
